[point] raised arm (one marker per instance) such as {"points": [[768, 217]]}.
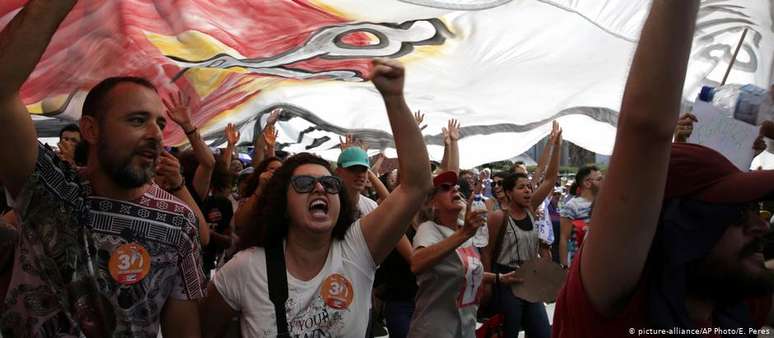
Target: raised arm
{"points": [[426, 257], [270, 135], [626, 211], [178, 111], [383, 227], [232, 137], [552, 172], [540, 170], [451, 150], [247, 212], [168, 177], [22, 44], [381, 190], [260, 140], [373, 176]]}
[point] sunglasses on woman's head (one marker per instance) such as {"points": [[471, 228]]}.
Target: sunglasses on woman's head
{"points": [[305, 184]]}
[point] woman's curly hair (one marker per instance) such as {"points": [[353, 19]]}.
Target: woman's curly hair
{"points": [[272, 221]]}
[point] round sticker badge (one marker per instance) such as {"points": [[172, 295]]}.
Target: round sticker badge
{"points": [[337, 291], [129, 263]]}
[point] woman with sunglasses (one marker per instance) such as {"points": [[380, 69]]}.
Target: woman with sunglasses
{"points": [[330, 259], [500, 199], [448, 267], [513, 238]]}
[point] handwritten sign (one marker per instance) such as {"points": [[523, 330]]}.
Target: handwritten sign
{"points": [[730, 137]]}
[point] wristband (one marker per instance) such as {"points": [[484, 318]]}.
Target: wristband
{"points": [[178, 187], [187, 133]]}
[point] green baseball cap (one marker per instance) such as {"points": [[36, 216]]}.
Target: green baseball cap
{"points": [[353, 156]]}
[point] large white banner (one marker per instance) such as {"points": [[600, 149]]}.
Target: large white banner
{"points": [[504, 69]]}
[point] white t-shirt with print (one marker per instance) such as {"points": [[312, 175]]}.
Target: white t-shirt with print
{"points": [[334, 303], [448, 292]]}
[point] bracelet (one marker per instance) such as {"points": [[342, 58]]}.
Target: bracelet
{"points": [[187, 133], [178, 187]]}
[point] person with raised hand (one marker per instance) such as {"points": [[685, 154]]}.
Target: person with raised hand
{"points": [[322, 259], [514, 239], [678, 250], [170, 178], [545, 157], [105, 252], [448, 267], [256, 184], [451, 150], [264, 143], [232, 138], [373, 178], [178, 110]]}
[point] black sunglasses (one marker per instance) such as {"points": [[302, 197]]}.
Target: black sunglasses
{"points": [[305, 184], [496, 183], [445, 187]]}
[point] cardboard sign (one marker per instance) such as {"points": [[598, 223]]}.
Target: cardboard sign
{"points": [[730, 137], [542, 280]]}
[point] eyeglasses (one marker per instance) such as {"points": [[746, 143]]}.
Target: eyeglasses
{"points": [[446, 187], [305, 184], [496, 183]]}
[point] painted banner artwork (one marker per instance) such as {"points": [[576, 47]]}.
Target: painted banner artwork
{"points": [[505, 69]]}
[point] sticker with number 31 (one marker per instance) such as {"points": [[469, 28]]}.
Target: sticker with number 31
{"points": [[129, 263]]}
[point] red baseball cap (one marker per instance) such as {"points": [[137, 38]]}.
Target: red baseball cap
{"points": [[702, 173], [448, 177]]}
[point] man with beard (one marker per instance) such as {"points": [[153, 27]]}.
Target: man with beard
{"points": [[578, 210], [107, 253], [677, 243]]}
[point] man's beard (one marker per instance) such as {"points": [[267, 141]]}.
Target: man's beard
{"points": [[120, 170], [729, 283]]}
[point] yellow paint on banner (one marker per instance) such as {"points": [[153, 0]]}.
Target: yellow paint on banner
{"points": [[35, 108], [332, 10], [190, 45]]}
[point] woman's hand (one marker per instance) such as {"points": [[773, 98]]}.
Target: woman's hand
{"points": [[474, 219], [510, 278]]}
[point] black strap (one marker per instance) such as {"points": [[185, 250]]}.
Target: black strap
{"points": [[278, 285]]}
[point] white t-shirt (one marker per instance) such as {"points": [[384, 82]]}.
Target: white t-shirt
{"points": [[334, 303], [366, 205], [448, 292]]}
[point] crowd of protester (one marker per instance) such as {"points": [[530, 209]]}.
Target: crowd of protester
{"points": [[112, 234]]}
